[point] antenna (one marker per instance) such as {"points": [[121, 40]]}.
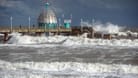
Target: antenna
{"points": [[45, 3]]}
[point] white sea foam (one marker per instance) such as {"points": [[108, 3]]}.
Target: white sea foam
{"points": [[1, 34], [17, 40], [45, 69], [107, 28]]}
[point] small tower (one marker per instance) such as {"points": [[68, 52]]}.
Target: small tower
{"points": [[47, 18]]}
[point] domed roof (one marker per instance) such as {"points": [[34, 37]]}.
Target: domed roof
{"points": [[47, 16]]}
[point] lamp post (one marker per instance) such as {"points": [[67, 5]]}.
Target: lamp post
{"points": [[45, 26], [71, 19], [59, 20], [29, 19], [63, 16], [59, 24], [81, 25], [70, 16], [11, 18], [92, 28]]}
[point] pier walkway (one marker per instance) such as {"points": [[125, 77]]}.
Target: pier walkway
{"points": [[33, 30], [25, 30]]}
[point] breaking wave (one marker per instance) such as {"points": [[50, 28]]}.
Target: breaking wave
{"points": [[70, 41], [66, 69], [107, 28]]}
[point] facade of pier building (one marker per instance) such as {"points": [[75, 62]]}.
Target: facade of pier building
{"points": [[47, 18]]}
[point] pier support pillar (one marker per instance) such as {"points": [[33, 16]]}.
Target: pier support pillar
{"points": [[103, 36], [5, 37], [23, 33], [107, 36], [92, 34], [38, 33]]}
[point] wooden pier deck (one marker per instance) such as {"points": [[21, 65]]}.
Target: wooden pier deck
{"points": [[38, 31], [33, 30]]}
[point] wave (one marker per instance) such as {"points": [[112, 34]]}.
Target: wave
{"points": [[70, 41], [107, 28], [49, 70]]}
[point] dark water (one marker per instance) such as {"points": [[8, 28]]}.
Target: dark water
{"points": [[35, 62], [110, 55]]}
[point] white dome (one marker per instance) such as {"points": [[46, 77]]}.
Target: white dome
{"points": [[47, 16]]}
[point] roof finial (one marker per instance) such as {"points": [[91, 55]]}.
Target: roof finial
{"points": [[46, 4]]}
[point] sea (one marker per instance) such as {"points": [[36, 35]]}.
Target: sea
{"points": [[68, 57]]}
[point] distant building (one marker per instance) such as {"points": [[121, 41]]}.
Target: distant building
{"points": [[47, 19], [67, 23]]}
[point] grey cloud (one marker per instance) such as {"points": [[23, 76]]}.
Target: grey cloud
{"points": [[55, 6], [27, 8], [109, 4], [18, 6], [8, 3], [5, 15]]}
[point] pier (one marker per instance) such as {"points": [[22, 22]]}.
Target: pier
{"points": [[33, 30], [73, 30], [38, 31]]}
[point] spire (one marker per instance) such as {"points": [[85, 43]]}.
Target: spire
{"points": [[46, 4]]}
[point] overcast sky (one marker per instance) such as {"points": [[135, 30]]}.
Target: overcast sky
{"points": [[120, 12]]}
